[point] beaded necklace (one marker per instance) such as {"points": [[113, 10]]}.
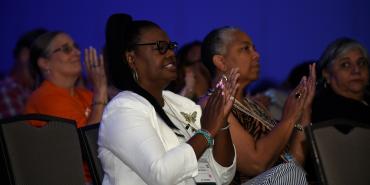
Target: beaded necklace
{"points": [[250, 108]]}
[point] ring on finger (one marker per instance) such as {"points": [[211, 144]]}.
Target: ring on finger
{"points": [[298, 95], [224, 77]]}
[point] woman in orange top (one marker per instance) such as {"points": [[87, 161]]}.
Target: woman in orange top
{"points": [[55, 57]]}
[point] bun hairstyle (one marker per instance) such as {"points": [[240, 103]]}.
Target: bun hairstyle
{"points": [[121, 35], [117, 69], [215, 43]]}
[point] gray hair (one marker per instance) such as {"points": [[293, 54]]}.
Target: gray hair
{"points": [[337, 49], [334, 50], [215, 43]]}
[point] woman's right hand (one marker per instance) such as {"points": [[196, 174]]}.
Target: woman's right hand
{"points": [[220, 103]]}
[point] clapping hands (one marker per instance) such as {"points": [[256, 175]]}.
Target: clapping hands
{"points": [[300, 99], [220, 102]]}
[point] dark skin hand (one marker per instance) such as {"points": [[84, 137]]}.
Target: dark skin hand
{"points": [[214, 119]]}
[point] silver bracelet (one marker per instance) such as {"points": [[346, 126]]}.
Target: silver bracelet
{"points": [[226, 127]]}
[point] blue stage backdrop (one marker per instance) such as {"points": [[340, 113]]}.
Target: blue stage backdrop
{"points": [[286, 32]]}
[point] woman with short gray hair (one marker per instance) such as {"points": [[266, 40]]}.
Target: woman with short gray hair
{"points": [[268, 152]]}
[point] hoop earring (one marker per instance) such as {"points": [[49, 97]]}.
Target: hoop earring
{"points": [[135, 75], [326, 83]]}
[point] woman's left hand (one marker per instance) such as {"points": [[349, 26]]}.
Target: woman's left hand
{"points": [[311, 88]]}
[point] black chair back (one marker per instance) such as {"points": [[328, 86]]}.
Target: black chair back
{"points": [[341, 150], [89, 138], [41, 155]]}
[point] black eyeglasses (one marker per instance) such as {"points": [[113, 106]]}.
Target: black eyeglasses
{"points": [[66, 48], [162, 46]]}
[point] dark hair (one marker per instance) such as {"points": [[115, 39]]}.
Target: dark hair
{"points": [[183, 52], [335, 49], [296, 74], [182, 62], [26, 40], [40, 48], [215, 43], [121, 35]]}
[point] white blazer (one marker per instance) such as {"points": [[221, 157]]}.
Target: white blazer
{"points": [[136, 147]]}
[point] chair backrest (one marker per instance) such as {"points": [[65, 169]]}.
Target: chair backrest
{"points": [[89, 138], [341, 150], [46, 155]]}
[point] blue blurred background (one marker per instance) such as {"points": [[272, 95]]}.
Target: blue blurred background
{"points": [[286, 32]]}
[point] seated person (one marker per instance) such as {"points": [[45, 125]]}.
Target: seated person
{"points": [[18, 85], [55, 58], [268, 152], [343, 79], [152, 136], [193, 79]]}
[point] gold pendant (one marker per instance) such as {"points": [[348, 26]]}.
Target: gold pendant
{"points": [[190, 117]]}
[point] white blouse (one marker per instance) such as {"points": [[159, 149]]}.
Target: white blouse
{"points": [[136, 147]]}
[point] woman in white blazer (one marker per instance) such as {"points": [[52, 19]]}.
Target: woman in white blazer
{"points": [[151, 136]]}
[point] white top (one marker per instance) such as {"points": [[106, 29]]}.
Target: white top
{"points": [[136, 147]]}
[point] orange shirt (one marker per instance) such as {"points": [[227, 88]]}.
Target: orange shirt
{"points": [[56, 101]]}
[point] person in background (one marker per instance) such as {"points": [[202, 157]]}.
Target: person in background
{"points": [[343, 79], [152, 136], [193, 78], [55, 59], [18, 85], [268, 152]]}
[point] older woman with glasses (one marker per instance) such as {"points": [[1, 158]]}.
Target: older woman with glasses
{"points": [[152, 136], [55, 59]]}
